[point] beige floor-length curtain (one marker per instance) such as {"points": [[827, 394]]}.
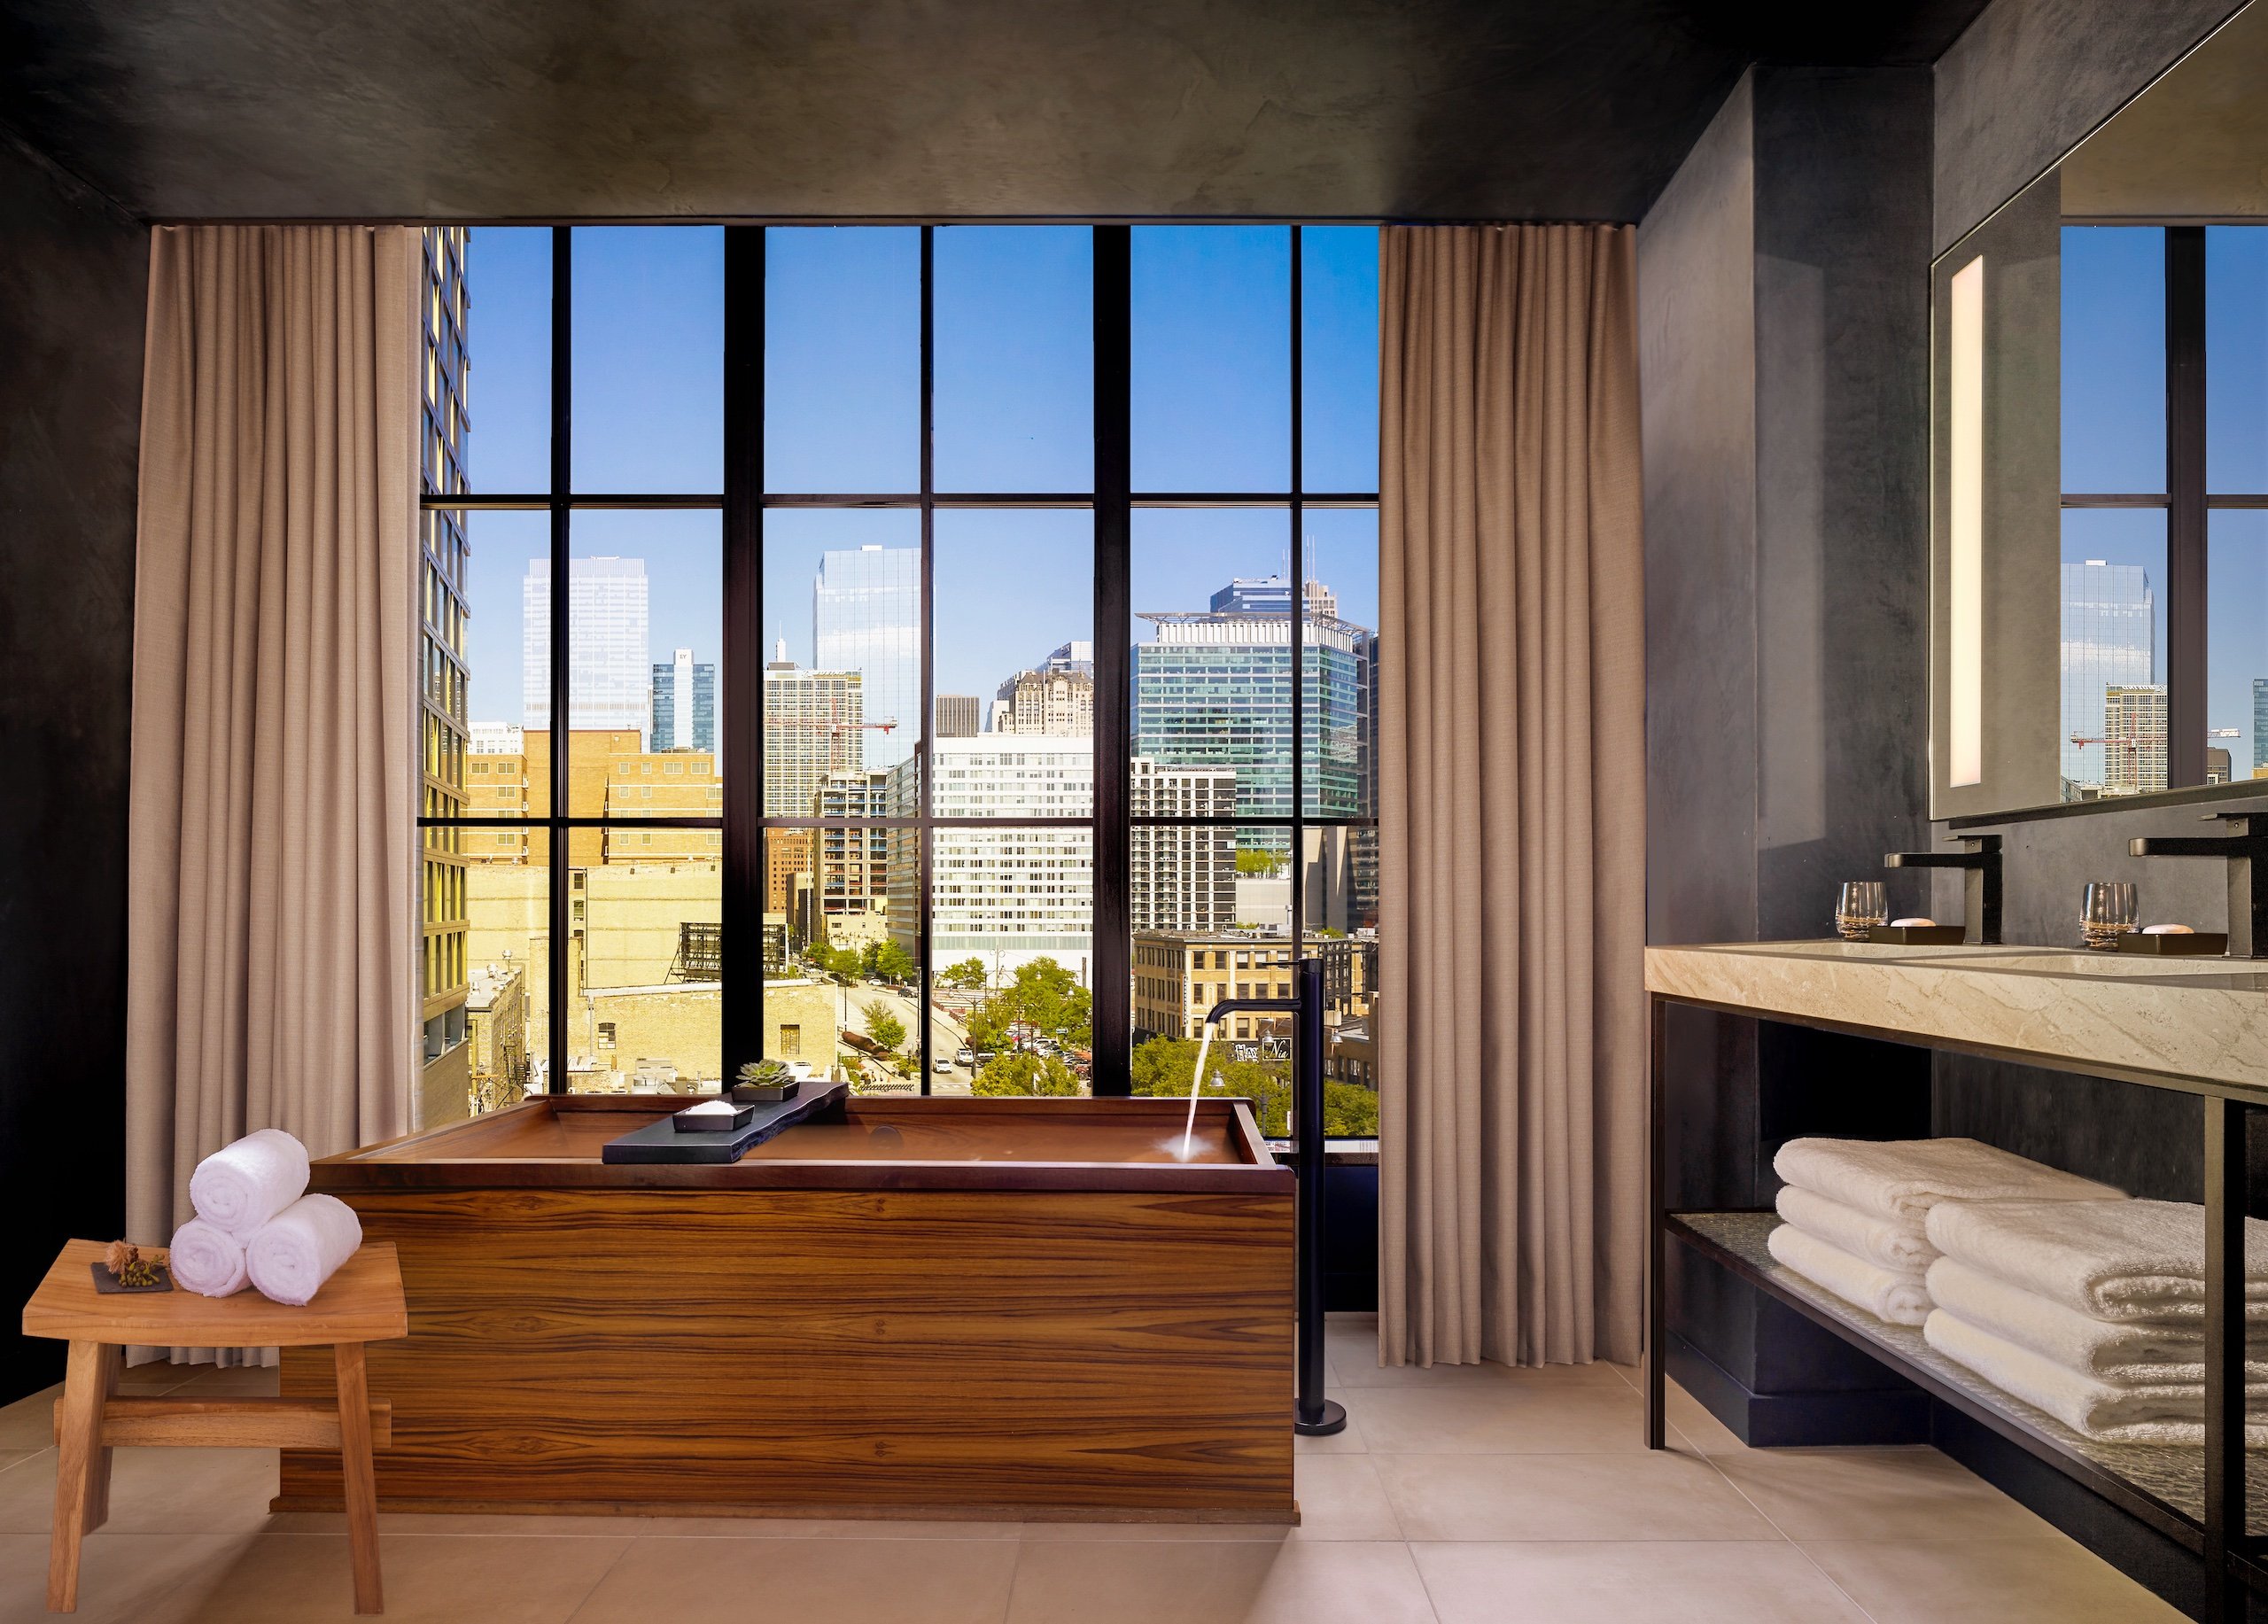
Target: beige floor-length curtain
{"points": [[272, 858], [1511, 815]]}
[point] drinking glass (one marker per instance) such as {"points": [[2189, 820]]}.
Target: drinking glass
{"points": [[1859, 904], [2108, 910]]}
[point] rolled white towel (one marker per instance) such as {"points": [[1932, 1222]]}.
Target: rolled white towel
{"points": [[2137, 1261], [1901, 1179], [1895, 1245], [207, 1259], [2119, 1412], [2106, 1349], [241, 1186], [1902, 1299], [300, 1248]]}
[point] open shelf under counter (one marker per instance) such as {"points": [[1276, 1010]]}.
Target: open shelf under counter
{"points": [[2164, 1485]]}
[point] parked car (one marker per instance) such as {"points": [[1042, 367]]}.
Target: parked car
{"points": [[964, 1056]]}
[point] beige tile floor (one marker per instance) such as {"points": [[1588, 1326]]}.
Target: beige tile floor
{"points": [[1469, 1496]]}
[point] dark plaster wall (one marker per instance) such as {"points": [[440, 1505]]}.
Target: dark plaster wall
{"points": [[72, 275], [1782, 337], [2029, 78]]}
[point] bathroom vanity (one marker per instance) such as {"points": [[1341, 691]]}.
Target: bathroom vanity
{"points": [[1017, 1309], [2196, 1026]]}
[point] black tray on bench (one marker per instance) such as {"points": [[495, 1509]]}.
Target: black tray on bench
{"points": [[661, 1141]]}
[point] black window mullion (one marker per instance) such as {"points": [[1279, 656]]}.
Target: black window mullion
{"points": [[742, 1032], [2185, 521], [562, 241], [924, 753], [1112, 1007], [1298, 632]]}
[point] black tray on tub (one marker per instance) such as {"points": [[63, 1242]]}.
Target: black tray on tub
{"points": [[661, 1141]]}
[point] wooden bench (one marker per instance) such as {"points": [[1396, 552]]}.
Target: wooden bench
{"points": [[361, 1303]]}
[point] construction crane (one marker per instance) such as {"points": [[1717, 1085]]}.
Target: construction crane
{"points": [[2132, 744]]}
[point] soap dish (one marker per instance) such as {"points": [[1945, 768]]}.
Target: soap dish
{"points": [[2179, 944], [1918, 935], [707, 1118]]}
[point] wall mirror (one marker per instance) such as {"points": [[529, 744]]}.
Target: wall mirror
{"points": [[2100, 460]]}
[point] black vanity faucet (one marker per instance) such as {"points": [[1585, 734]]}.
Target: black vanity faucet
{"points": [[2246, 848], [1979, 861]]}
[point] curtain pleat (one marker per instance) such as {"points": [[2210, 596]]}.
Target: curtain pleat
{"points": [[1511, 816], [273, 909]]}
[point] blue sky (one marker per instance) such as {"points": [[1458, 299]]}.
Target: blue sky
{"points": [[1013, 403], [2114, 435]]}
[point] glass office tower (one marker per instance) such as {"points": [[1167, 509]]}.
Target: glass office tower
{"points": [[608, 675], [867, 618], [2110, 641]]}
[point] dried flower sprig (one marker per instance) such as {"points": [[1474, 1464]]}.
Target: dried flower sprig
{"points": [[128, 1266]]}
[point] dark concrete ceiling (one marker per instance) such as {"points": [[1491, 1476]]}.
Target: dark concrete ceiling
{"points": [[487, 109]]}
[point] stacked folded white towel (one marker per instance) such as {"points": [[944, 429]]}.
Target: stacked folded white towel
{"points": [[1856, 1210], [2093, 1312], [255, 1223]]}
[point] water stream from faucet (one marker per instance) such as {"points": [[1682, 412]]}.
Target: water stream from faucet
{"points": [[1196, 1086]]}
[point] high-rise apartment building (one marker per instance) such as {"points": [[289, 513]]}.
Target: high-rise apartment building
{"points": [[1181, 877], [852, 866], [959, 716], [609, 676], [2260, 728], [1060, 703], [1213, 689], [2109, 640], [814, 724], [1004, 895], [866, 619], [1362, 845], [443, 971], [684, 705], [2134, 738]]}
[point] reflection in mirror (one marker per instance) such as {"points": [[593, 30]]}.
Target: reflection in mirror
{"points": [[2099, 397]]}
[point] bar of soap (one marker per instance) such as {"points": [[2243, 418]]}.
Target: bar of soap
{"points": [[2168, 930], [1902, 923], [712, 1116]]}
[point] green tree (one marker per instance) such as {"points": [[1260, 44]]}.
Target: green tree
{"points": [[1024, 1074], [882, 1026], [969, 972], [1259, 860], [1045, 997], [893, 963], [840, 963], [870, 960], [1162, 1067]]}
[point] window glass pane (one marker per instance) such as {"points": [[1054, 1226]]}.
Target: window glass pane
{"points": [[645, 639], [2114, 716], [843, 359], [1338, 360], [506, 375], [2114, 358], [1179, 976], [1339, 679], [843, 671], [1212, 382], [1015, 667], [644, 998], [1015, 387], [649, 358], [2236, 646], [507, 947], [1212, 653], [839, 988], [2236, 360], [506, 694], [1012, 1000]]}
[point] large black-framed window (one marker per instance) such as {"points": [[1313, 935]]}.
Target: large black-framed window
{"points": [[2165, 490], [908, 820]]}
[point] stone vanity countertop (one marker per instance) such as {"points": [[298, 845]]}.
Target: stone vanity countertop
{"points": [[2205, 1018]]}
